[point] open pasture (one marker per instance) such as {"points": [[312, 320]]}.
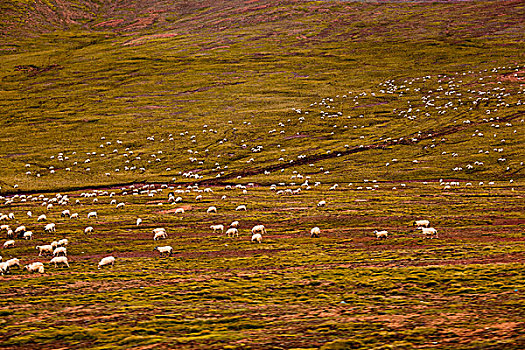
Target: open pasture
{"points": [[353, 117], [345, 289]]}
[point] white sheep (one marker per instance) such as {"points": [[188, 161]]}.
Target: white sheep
{"points": [[3, 268], [4, 227], [35, 267], [166, 249], [13, 262], [120, 205], [108, 260], [48, 248], [241, 207], [321, 203], [92, 214], [199, 197], [381, 234], [179, 211], [50, 227], [65, 213], [257, 238], [231, 232], [211, 209], [161, 234], [88, 229], [234, 224], [10, 233], [429, 232], [139, 221], [63, 242], [28, 235], [59, 260], [54, 244], [29, 213], [421, 223], [20, 229], [315, 232], [42, 217], [258, 229], [216, 228], [60, 251], [74, 216], [9, 244]]}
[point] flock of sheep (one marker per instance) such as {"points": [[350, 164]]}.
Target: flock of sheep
{"points": [[458, 94], [57, 249], [467, 97]]}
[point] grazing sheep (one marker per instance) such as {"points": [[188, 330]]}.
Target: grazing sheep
{"points": [[381, 234], [59, 260], [13, 262], [29, 213], [421, 223], [42, 217], [60, 251], [19, 231], [315, 232], [216, 228], [199, 197], [211, 209], [1, 259], [35, 267], [139, 221], [54, 244], [321, 203], [231, 232], [179, 211], [257, 238], [48, 248], [66, 213], [92, 214], [28, 235], [4, 268], [50, 227], [9, 244], [74, 216], [241, 207], [259, 229], [159, 233], [63, 242], [166, 249], [234, 224], [429, 232], [10, 234], [88, 229], [120, 205], [4, 227], [108, 260]]}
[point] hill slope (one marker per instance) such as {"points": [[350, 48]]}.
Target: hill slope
{"points": [[222, 84]]}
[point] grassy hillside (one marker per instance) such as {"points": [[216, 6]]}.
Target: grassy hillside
{"points": [[229, 74], [388, 111]]}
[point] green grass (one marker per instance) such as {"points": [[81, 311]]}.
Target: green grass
{"points": [[214, 84]]}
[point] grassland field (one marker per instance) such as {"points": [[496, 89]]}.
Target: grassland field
{"points": [[388, 111]]}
